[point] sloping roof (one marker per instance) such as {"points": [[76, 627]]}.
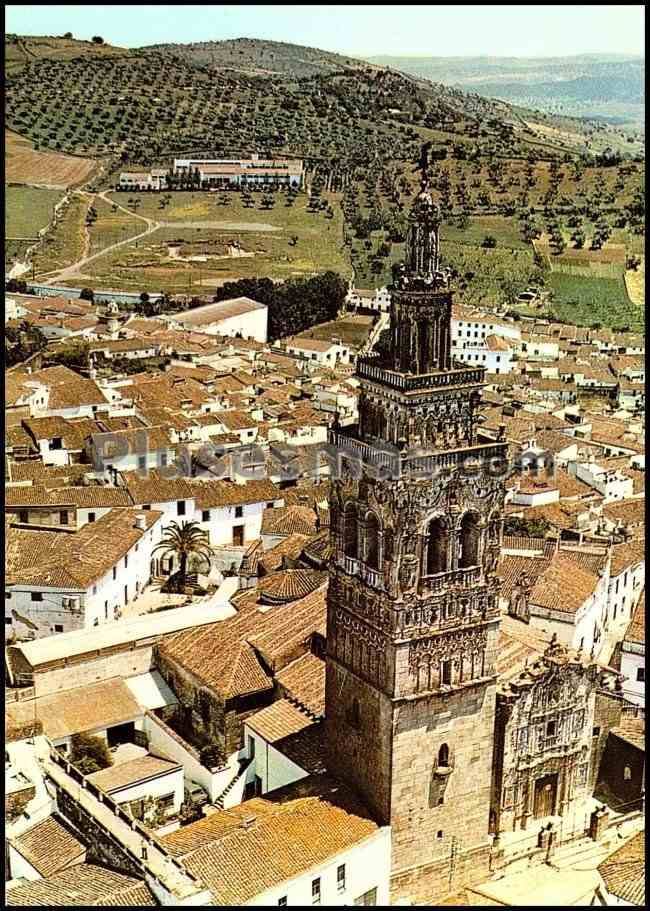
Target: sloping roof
{"points": [[82, 885], [636, 630], [116, 777], [519, 644], [289, 520], [83, 709], [75, 561], [213, 313], [289, 585], [217, 494], [278, 720], [68, 389], [288, 832], [49, 846], [563, 585], [303, 680], [624, 871]]}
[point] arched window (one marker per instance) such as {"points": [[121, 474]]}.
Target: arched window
{"points": [[435, 549], [627, 773], [443, 757], [469, 540], [350, 531], [372, 541]]}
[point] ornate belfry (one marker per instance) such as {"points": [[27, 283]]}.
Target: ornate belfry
{"points": [[416, 524]]}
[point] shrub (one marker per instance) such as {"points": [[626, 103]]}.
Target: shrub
{"points": [[89, 753]]}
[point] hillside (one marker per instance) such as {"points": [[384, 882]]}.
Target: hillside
{"points": [[21, 50], [610, 87], [252, 55]]}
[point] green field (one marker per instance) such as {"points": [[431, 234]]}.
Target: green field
{"points": [[585, 301], [282, 242], [66, 243], [27, 210], [504, 230]]}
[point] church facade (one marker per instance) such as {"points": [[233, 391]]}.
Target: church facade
{"points": [[413, 600]]}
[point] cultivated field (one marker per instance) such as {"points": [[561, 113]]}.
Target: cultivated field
{"points": [[200, 244], [25, 165], [27, 210], [67, 242]]}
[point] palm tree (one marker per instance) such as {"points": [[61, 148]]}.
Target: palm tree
{"points": [[185, 541]]}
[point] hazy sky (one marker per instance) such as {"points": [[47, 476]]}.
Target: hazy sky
{"points": [[516, 31]]}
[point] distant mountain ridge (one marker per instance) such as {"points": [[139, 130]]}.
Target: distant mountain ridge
{"points": [[584, 85]]}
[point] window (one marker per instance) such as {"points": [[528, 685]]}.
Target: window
{"points": [[239, 512], [7, 595], [340, 877], [640, 674], [551, 728], [436, 547], [163, 459], [270, 505], [350, 539], [8, 621], [126, 561], [251, 747], [166, 801], [37, 596], [368, 898], [180, 508], [146, 505], [92, 516], [469, 541], [443, 756], [445, 672], [315, 891], [205, 515], [64, 517], [58, 627], [57, 443], [23, 516], [596, 732], [282, 901], [142, 463], [372, 541], [115, 572]]}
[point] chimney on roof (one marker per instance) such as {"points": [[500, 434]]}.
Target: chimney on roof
{"points": [[141, 521], [248, 822]]}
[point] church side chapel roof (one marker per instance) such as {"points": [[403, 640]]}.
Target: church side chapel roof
{"points": [[635, 632], [555, 655]]}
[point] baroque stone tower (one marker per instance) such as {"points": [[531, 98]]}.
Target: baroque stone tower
{"points": [[416, 518]]}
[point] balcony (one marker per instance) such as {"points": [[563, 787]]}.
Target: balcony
{"points": [[355, 567], [371, 369], [468, 576]]}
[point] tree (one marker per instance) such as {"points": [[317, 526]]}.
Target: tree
{"points": [[22, 342], [89, 753], [185, 541], [97, 39], [68, 35], [87, 294], [489, 242]]}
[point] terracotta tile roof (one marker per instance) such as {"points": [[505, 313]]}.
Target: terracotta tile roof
{"points": [[68, 389], [563, 585], [155, 488], [289, 585], [290, 547], [319, 549], [94, 495], [82, 885], [636, 630], [632, 731], [513, 568], [217, 494], [290, 831], [278, 720], [236, 420], [289, 520], [303, 681], [519, 644], [76, 711], [116, 777], [34, 470], [54, 559], [306, 748], [626, 512], [287, 632], [49, 846], [212, 313], [624, 871], [625, 556]]}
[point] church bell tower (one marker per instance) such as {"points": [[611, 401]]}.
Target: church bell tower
{"points": [[412, 625]]}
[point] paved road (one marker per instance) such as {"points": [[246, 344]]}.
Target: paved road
{"points": [[70, 271]]}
